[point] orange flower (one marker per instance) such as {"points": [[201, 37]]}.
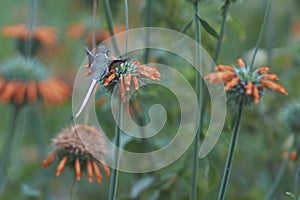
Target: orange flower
{"points": [[128, 75], [25, 81], [72, 152], [78, 29], [245, 86], [51, 91], [46, 35]]}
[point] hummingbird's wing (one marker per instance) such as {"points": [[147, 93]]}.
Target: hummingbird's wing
{"points": [[90, 56], [116, 62], [86, 98]]}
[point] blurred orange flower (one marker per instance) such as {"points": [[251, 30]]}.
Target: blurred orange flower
{"points": [[77, 30], [46, 35], [51, 91]]}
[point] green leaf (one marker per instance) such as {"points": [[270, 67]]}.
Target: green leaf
{"points": [[187, 26], [141, 185], [208, 27]]}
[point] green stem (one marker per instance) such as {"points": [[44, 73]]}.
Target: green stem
{"points": [[126, 26], [297, 173], [148, 10], [36, 121], [216, 57], [115, 171], [73, 193], [281, 171], [88, 105], [222, 30], [5, 155], [233, 142], [109, 19], [30, 27], [193, 194], [266, 16]]}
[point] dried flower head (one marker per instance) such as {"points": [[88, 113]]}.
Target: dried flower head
{"points": [[244, 86], [24, 80], [71, 152], [291, 116], [40, 36]]}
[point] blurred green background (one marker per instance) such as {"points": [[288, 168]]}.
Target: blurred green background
{"points": [[263, 136]]}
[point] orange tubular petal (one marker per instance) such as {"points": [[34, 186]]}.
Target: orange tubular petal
{"points": [[240, 62], [77, 169], [224, 68], [9, 91], [256, 95], [61, 165], [282, 90], [46, 35], [122, 89], [232, 83], [18, 30], [136, 83], [49, 159], [109, 79], [127, 81], [97, 172], [274, 86], [249, 88], [106, 168], [263, 70], [2, 83], [32, 92], [88, 73], [293, 156], [90, 170], [273, 77], [20, 94]]}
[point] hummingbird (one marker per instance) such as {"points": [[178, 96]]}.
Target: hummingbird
{"points": [[100, 64]]}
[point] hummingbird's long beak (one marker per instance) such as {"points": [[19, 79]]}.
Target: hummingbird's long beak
{"points": [[86, 98]]}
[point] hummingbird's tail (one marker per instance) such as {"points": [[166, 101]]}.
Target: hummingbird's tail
{"points": [[86, 98]]}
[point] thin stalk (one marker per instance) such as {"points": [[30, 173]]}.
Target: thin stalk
{"points": [[109, 19], [297, 173], [115, 171], [222, 30], [5, 155], [281, 171], [193, 194], [88, 106], [72, 195], [36, 121], [148, 11], [216, 57], [126, 26], [266, 16], [233, 142], [30, 26]]}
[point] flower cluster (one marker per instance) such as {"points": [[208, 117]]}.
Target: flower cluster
{"points": [[40, 36], [24, 80], [126, 75], [244, 86], [71, 152]]}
